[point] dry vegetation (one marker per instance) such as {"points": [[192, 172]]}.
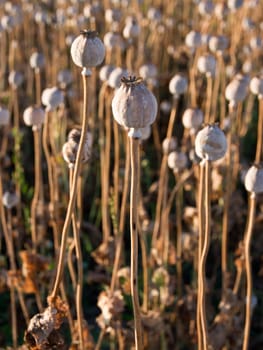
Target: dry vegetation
{"points": [[131, 208]]}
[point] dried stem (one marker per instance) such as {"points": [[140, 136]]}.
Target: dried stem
{"points": [[247, 243], [260, 131]]}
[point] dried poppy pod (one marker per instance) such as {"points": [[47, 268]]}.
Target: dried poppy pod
{"points": [[34, 116], [114, 79], [131, 29], [70, 148], [146, 133], [15, 79], [254, 179], [221, 10], [236, 90], [178, 85], [105, 72], [256, 86], [169, 145], [64, 78], [87, 50], [134, 106], [52, 98], [210, 143], [10, 199], [218, 43], [112, 15], [177, 161], [234, 5], [192, 119], [113, 40], [37, 60], [193, 39], [149, 73], [206, 8], [207, 64], [4, 116]]}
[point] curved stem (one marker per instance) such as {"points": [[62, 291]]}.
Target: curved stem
{"points": [[73, 193], [178, 204], [260, 131], [209, 89], [134, 147], [251, 218]]}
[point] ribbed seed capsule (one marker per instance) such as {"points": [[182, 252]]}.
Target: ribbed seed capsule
{"points": [[177, 161], [134, 106], [34, 116], [192, 118], [256, 86], [52, 98], [254, 179], [87, 50], [210, 143], [178, 85]]}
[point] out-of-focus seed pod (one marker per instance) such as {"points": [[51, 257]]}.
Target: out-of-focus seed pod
{"points": [[10, 199], [256, 86], [113, 15], [146, 132], [113, 40], [37, 60], [52, 98], [193, 39], [165, 107], [207, 64], [234, 5], [7, 22], [221, 10], [64, 78], [154, 15], [4, 116], [236, 90], [41, 17], [177, 161], [254, 179], [169, 145], [178, 85], [206, 8], [255, 43], [131, 29], [218, 43], [34, 116], [247, 66], [210, 143], [105, 72], [114, 80], [149, 73], [192, 119], [134, 106], [87, 50], [15, 79], [248, 24]]}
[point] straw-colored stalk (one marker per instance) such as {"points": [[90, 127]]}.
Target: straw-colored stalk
{"points": [[247, 243], [260, 131]]}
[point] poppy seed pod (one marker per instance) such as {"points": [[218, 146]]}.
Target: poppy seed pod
{"points": [[148, 71], [206, 8], [15, 79], [105, 72], [177, 161], [70, 148], [52, 98], [37, 60], [4, 116], [210, 143], [218, 43], [207, 64], [178, 85], [234, 5], [113, 40], [114, 80], [134, 106], [192, 118], [131, 29], [169, 145], [34, 116], [254, 179], [236, 90], [64, 78], [193, 39], [87, 50], [146, 133], [10, 200], [256, 86]]}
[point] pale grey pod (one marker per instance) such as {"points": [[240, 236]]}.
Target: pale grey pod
{"points": [[105, 72], [221, 10], [236, 90], [234, 5], [210, 143], [169, 145], [255, 43], [207, 64], [37, 60], [15, 79], [113, 40], [178, 85], [254, 179], [87, 50], [64, 78], [114, 80], [70, 148], [165, 106], [10, 200], [177, 161], [4, 116], [34, 116], [133, 105], [154, 14], [148, 71], [256, 86], [112, 15], [193, 39], [8, 22], [146, 132], [218, 43], [131, 29], [247, 66], [206, 8], [52, 98], [192, 118]]}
